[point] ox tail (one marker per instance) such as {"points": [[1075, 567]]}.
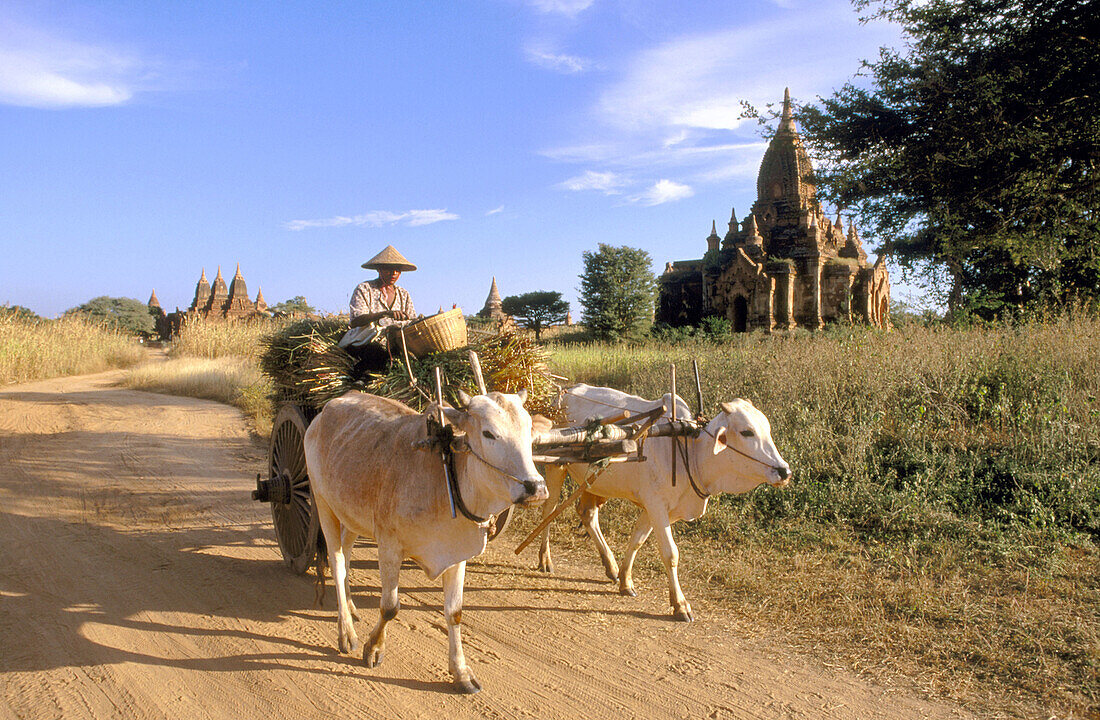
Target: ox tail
{"points": [[320, 564]]}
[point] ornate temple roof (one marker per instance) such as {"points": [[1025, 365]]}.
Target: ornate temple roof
{"points": [[237, 287], [785, 171], [493, 302], [202, 292]]}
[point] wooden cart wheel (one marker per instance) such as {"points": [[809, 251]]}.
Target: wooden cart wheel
{"points": [[292, 510], [503, 521]]}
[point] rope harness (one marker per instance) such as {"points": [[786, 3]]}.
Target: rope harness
{"points": [[443, 436], [682, 450]]}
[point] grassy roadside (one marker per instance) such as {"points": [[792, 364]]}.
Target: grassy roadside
{"points": [[40, 349]]}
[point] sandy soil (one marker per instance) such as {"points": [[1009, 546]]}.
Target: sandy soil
{"points": [[139, 580]]}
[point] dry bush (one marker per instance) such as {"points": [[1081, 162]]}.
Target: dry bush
{"points": [[38, 349], [214, 339]]}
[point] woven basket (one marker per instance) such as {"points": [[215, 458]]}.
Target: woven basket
{"points": [[438, 333]]}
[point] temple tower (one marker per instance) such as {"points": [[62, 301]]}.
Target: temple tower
{"points": [[492, 307], [237, 305], [784, 185], [786, 265], [219, 296], [202, 294]]}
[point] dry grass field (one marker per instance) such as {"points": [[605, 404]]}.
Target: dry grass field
{"points": [[38, 349]]}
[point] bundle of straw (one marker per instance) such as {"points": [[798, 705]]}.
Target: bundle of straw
{"points": [[307, 367]]}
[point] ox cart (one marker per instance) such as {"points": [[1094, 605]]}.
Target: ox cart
{"points": [[616, 438]]}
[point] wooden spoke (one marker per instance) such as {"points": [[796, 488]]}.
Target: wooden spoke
{"points": [[295, 529]]}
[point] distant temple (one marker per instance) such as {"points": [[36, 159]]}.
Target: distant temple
{"points": [[492, 309], [211, 302], [786, 265], [221, 303]]}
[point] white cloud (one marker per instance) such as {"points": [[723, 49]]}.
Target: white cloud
{"points": [[674, 108], [558, 62], [375, 218], [39, 69], [663, 191], [608, 183], [495, 210], [570, 8]]}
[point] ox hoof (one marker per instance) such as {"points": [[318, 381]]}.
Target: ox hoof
{"points": [[612, 575], [468, 687], [628, 591], [348, 647], [684, 615], [546, 567], [372, 657]]}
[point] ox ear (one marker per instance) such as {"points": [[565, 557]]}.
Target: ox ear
{"points": [[453, 416], [463, 398], [727, 408], [720, 440], [522, 395]]}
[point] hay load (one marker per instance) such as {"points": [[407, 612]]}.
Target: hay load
{"points": [[307, 367]]}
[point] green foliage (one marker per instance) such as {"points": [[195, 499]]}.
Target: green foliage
{"points": [[617, 292], [976, 149], [19, 312], [711, 328], [125, 314], [296, 305], [535, 310]]}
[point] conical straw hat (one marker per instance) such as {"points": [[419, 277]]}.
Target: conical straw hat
{"points": [[389, 258]]}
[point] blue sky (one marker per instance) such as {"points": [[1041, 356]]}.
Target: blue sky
{"points": [[142, 142]]}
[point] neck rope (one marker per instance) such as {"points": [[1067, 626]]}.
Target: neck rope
{"points": [[449, 456]]}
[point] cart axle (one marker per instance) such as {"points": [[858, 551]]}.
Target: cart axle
{"points": [[274, 489]]}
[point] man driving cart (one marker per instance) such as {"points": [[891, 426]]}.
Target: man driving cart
{"points": [[378, 308]]}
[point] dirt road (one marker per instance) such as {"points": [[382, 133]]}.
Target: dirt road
{"points": [[138, 580]]}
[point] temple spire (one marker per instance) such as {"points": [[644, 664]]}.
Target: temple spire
{"points": [[492, 308], [713, 239], [786, 121]]}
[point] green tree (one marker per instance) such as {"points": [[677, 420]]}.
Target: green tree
{"points": [[617, 291], [18, 312], [126, 314], [535, 310], [296, 305], [976, 151]]}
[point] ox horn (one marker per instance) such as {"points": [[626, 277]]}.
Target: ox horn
{"points": [[463, 398], [727, 407]]}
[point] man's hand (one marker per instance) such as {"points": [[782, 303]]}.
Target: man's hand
{"points": [[398, 314]]}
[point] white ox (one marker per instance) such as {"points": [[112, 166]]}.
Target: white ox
{"points": [[734, 453], [367, 479]]}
